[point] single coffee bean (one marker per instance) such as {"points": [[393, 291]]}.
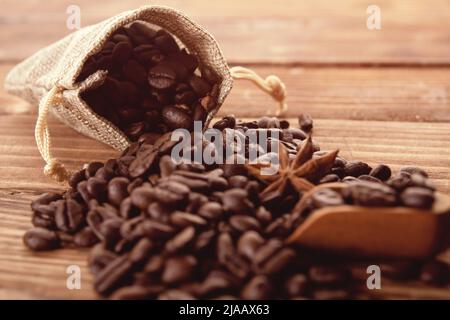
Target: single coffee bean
{"points": [[176, 118], [415, 170], [39, 239], [117, 190], [243, 223], [305, 122], [92, 168], [366, 177], [200, 86], [235, 200], [181, 240], [166, 43], [258, 288], [162, 76], [330, 178], [417, 197], [97, 188], [249, 243], [141, 197], [367, 193], [382, 172], [356, 168], [211, 210], [297, 285], [178, 269], [85, 238], [326, 198]]}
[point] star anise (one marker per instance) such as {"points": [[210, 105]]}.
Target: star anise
{"points": [[300, 173]]}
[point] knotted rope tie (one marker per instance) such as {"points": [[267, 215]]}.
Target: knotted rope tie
{"points": [[272, 85], [53, 168]]}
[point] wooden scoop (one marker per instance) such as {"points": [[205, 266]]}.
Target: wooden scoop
{"points": [[376, 231]]}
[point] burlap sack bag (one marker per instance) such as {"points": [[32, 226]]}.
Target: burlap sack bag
{"points": [[48, 78]]}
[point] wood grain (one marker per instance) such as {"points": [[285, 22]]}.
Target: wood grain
{"points": [[287, 31]]}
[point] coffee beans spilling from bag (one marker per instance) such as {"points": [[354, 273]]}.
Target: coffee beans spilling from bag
{"points": [[153, 85], [166, 231]]}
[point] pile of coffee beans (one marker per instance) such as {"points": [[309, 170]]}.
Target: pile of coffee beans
{"points": [[160, 230], [153, 86]]}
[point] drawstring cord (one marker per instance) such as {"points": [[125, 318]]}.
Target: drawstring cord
{"points": [[271, 85], [53, 168]]}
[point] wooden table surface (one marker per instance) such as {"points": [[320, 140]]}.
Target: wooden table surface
{"points": [[378, 96]]}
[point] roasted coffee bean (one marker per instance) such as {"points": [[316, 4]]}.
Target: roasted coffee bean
{"points": [[211, 210], [121, 52], [225, 122], [243, 223], [235, 200], [144, 160], [141, 251], [109, 231], [249, 243], [216, 282], [104, 174], [414, 170], [39, 239], [166, 42], [266, 251], [356, 168], [154, 230], [372, 194], [166, 166], [435, 273], [85, 238], [68, 215], [97, 188], [417, 197], [170, 193], [204, 240], [162, 76], [382, 172], [158, 212], [114, 275], [366, 177], [330, 178], [200, 86], [258, 288], [297, 285], [184, 219], [227, 257], [175, 117], [277, 262], [92, 168], [178, 269], [141, 197], [181, 240], [77, 177], [117, 190], [326, 198], [127, 209], [305, 122]]}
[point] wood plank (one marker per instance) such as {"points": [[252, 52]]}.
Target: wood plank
{"points": [[391, 94], [269, 31]]}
